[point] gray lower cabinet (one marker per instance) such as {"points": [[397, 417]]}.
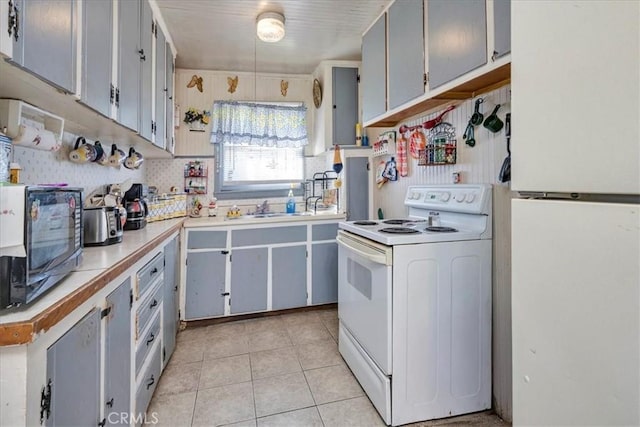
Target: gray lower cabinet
{"points": [[249, 274], [46, 45], [205, 285], [97, 21], [73, 375], [502, 27], [406, 52], [324, 277], [373, 75], [145, 128], [457, 38], [357, 181], [345, 105], [289, 277], [117, 367], [160, 89], [170, 300], [127, 96]]}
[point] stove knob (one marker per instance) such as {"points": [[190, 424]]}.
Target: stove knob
{"points": [[459, 197], [416, 196], [444, 197], [470, 197]]}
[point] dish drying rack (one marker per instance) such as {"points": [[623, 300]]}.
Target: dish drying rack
{"points": [[314, 191]]}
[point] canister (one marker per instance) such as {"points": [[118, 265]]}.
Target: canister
{"points": [[5, 157]]}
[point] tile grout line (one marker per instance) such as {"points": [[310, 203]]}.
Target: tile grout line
{"points": [[195, 401]]}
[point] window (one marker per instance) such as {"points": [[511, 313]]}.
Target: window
{"points": [[259, 148]]}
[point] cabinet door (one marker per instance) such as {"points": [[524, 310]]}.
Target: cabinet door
{"points": [[205, 284], [289, 277], [357, 181], [501, 27], [117, 363], [324, 277], [249, 269], [373, 74], [457, 35], [345, 105], [170, 300], [97, 19], [73, 370], [129, 59], [47, 42], [161, 89], [146, 70], [169, 76], [406, 51]]}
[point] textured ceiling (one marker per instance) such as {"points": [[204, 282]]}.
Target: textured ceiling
{"points": [[220, 34]]}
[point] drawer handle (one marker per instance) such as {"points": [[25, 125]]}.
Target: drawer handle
{"points": [[150, 340], [151, 382], [154, 271], [110, 403], [153, 304]]}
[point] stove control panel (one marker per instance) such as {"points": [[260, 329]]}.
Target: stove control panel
{"points": [[466, 198]]}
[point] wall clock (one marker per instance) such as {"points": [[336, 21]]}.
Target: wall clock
{"points": [[317, 93]]}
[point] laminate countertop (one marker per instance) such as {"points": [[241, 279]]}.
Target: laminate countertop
{"points": [[100, 265]]}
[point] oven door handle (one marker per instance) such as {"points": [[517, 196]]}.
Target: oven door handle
{"points": [[370, 254]]}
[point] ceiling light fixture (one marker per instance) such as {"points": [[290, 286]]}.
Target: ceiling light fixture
{"points": [[270, 27]]}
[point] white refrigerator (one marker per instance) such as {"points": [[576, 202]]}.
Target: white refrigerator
{"points": [[576, 222]]}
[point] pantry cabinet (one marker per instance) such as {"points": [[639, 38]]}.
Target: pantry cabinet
{"points": [[72, 390], [130, 54], [373, 77], [345, 105], [457, 38], [117, 342], [97, 90], [406, 52], [501, 27], [46, 42]]}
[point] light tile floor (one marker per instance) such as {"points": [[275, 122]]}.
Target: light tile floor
{"points": [[274, 371]]}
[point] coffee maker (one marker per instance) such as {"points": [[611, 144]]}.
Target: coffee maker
{"points": [[135, 202]]}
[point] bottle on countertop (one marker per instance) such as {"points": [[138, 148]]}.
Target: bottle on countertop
{"points": [[291, 201]]}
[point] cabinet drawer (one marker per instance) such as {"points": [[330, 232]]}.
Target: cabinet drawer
{"points": [[149, 381], [265, 236], [324, 231], [147, 342], [148, 273], [147, 309], [197, 239]]}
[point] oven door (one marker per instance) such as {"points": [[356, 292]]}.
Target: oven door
{"points": [[364, 295]]}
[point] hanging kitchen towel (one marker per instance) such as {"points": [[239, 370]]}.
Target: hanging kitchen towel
{"points": [[403, 161], [417, 142]]}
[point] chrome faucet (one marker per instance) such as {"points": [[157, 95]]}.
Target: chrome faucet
{"points": [[263, 208]]}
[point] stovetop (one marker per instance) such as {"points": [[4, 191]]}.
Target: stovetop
{"points": [[464, 213]]}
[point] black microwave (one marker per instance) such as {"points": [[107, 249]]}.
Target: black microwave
{"points": [[51, 221]]}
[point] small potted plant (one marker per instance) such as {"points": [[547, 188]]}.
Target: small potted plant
{"points": [[196, 119]]}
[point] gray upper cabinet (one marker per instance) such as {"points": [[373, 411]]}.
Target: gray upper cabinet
{"points": [[146, 63], [46, 44], [289, 277], [170, 71], [206, 273], [373, 74], [73, 375], [129, 59], [170, 299], [502, 27], [97, 21], [345, 105], [249, 274], [457, 38], [117, 374], [406, 51], [161, 89]]}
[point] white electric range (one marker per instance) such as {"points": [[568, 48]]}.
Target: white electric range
{"points": [[414, 302]]}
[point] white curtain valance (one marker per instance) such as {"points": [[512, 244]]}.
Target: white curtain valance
{"points": [[246, 123]]}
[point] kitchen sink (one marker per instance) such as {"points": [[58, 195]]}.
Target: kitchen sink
{"points": [[275, 214]]}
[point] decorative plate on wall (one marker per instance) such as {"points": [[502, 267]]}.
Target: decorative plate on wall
{"points": [[317, 93]]}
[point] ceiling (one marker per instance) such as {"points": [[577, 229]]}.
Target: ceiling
{"points": [[220, 34]]}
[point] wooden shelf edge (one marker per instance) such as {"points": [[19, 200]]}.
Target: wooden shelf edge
{"points": [[491, 80]]}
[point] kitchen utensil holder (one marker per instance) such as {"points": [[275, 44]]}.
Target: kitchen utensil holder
{"points": [[314, 189], [195, 178], [385, 145]]}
